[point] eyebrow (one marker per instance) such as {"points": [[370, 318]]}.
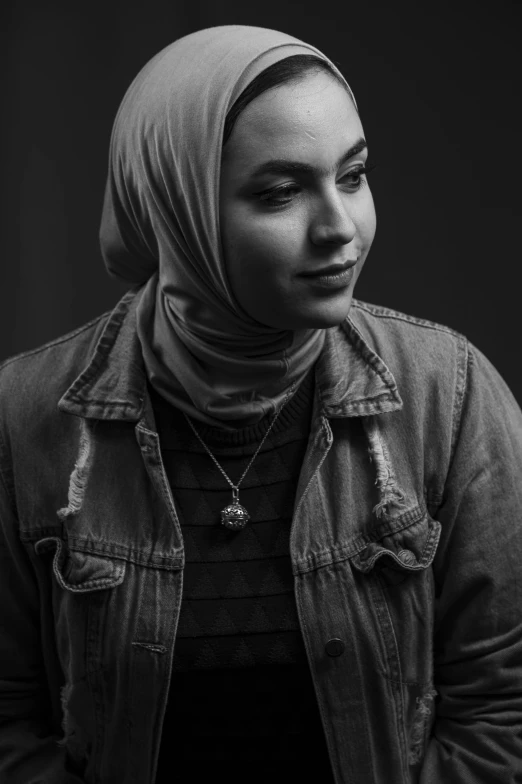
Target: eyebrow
{"points": [[283, 166]]}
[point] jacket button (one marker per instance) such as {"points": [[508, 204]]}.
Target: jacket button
{"points": [[407, 557], [334, 647]]}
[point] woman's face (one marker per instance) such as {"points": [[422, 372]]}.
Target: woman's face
{"points": [[294, 203]]}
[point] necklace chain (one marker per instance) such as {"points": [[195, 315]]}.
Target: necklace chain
{"points": [[235, 488]]}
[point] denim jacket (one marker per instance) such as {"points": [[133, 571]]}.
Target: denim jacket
{"points": [[406, 546]]}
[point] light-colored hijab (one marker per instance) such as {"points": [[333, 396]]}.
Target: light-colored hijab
{"points": [[160, 227]]}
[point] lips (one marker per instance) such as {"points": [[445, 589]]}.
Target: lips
{"points": [[331, 269]]}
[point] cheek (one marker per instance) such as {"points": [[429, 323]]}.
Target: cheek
{"points": [[365, 218], [260, 249]]}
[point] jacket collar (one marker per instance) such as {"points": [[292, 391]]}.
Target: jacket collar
{"points": [[352, 380]]}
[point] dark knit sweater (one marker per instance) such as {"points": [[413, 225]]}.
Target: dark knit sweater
{"points": [[241, 702]]}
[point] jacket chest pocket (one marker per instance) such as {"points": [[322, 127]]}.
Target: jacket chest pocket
{"points": [[83, 588], [81, 572], [394, 567]]}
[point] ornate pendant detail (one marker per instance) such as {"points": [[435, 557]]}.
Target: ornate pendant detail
{"points": [[234, 516]]}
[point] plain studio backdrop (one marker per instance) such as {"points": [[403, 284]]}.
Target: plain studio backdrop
{"points": [[438, 88]]}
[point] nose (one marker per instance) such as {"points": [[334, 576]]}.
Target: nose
{"points": [[332, 224]]}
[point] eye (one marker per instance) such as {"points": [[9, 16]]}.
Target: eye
{"points": [[353, 180], [283, 194]]}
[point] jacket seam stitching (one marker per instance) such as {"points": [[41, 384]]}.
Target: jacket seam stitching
{"points": [[461, 390], [104, 403], [394, 315], [348, 551]]}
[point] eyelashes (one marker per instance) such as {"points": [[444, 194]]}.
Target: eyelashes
{"points": [[359, 172], [284, 194]]}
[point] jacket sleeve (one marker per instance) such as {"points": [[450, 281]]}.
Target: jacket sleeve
{"points": [[477, 734], [29, 750]]}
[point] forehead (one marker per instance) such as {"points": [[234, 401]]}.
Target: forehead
{"points": [[313, 117]]}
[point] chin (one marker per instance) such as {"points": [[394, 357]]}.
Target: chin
{"points": [[325, 316], [311, 315]]}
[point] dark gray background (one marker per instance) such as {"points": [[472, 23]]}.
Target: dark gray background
{"points": [[438, 87]]}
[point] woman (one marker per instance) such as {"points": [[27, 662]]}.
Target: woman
{"points": [[250, 527]]}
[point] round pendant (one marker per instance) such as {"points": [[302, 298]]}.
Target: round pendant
{"points": [[234, 516]]}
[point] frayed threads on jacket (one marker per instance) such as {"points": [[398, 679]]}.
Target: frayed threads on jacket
{"points": [[80, 474], [74, 739], [379, 455], [420, 725]]}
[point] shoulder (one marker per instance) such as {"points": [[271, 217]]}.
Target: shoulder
{"points": [[424, 346], [394, 324], [73, 346], [432, 364], [429, 361], [39, 377], [408, 344]]}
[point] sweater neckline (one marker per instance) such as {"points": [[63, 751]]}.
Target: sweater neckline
{"points": [[169, 419]]}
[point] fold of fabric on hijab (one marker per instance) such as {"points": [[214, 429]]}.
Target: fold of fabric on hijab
{"points": [[160, 228]]}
